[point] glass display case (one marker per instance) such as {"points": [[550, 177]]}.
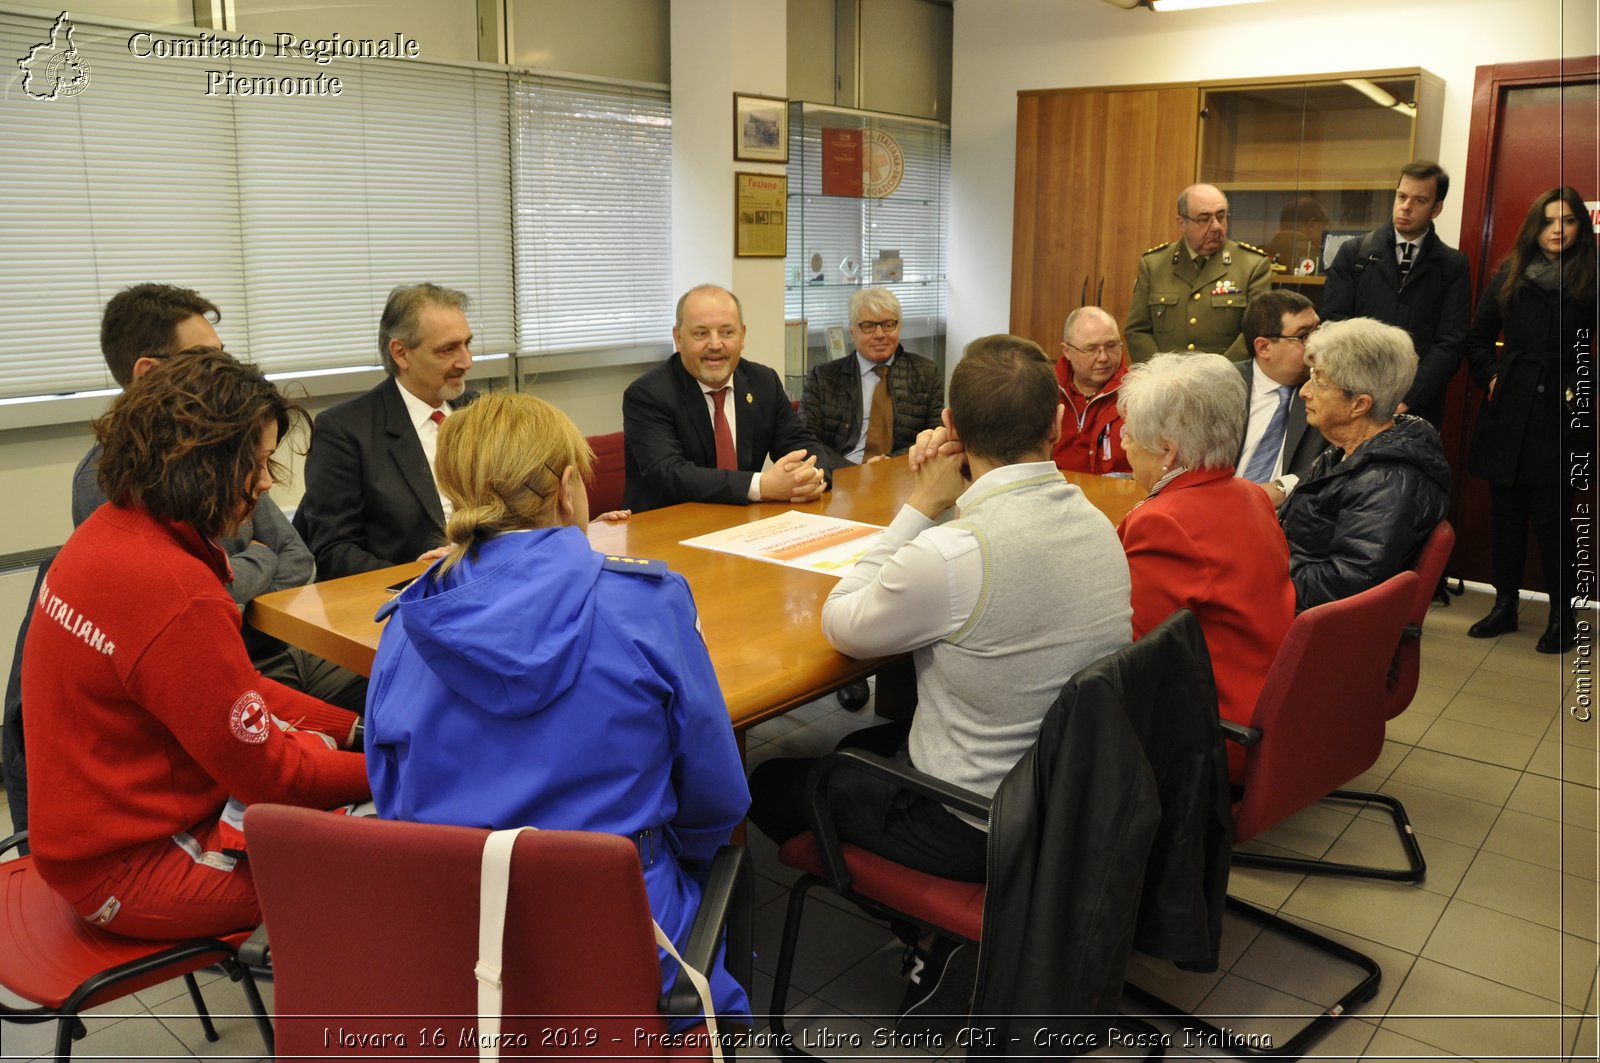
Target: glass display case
{"points": [[868, 206], [1307, 164]]}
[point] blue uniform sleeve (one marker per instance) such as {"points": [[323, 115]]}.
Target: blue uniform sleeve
{"points": [[707, 773]]}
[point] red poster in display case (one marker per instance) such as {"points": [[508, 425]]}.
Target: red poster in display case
{"points": [[841, 162]]}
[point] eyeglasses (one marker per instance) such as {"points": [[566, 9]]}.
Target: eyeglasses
{"points": [[1320, 381], [1099, 349], [1205, 220], [870, 327], [1298, 337]]}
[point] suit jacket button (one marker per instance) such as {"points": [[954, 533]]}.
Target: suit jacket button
{"points": [[1194, 321]]}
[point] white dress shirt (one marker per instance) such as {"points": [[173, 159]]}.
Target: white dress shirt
{"points": [[1263, 404], [753, 491], [421, 415]]}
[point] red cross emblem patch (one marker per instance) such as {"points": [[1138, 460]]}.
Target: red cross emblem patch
{"points": [[248, 719]]}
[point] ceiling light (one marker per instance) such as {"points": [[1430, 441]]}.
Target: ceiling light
{"points": [[1190, 5]]}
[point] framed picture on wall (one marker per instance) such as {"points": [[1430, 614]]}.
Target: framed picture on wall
{"points": [[760, 215], [760, 128]]}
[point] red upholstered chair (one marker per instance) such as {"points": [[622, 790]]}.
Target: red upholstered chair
{"points": [[370, 920], [1407, 665], [1318, 723], [1175, 676], [610, 473], [64, 966]]}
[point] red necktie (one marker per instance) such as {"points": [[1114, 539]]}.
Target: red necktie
{"points": [[726, 458], [437, 417]]}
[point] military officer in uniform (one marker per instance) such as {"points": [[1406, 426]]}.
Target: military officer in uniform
{"points": [[1190, 294]]}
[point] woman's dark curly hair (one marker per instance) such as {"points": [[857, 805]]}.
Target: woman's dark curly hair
{"points": [[181, 440]]}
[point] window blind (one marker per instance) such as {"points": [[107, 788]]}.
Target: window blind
{"points": [[546, 200], [593, 168]]}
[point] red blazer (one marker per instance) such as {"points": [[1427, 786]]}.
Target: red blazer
{"points": [[1210, 542]]}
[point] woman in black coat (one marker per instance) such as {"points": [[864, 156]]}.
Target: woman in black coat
{"points": [[1540, 386]]}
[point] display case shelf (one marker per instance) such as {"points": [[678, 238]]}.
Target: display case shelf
{"points": [[909, 223]]}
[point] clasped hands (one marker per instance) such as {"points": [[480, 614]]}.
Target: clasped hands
{"points": [[793, 478], [940, 461]]}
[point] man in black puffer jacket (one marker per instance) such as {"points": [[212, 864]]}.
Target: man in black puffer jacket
{"points": [[842, 405], [1371, 500]]}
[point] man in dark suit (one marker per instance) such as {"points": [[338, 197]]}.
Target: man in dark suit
{"points": [[370, 499], [1404, 275], [1278, 446], [873, 404], [699, 426]]}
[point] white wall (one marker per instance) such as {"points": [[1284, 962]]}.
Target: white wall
{"points": [[1002, 46]]}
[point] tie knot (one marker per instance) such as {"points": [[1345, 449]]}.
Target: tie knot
{"points": [[1408, 251], [437, 417], [882, 371], [720, 394]]}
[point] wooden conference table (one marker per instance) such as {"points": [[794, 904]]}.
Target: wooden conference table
{"points": [[762, 622]]}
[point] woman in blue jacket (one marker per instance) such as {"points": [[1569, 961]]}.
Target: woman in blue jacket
{"points": [[525, 680]]}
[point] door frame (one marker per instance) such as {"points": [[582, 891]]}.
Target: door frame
{"points": [[1483, 131]]}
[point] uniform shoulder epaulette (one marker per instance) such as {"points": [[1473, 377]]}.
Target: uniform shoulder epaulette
{"points": [[1158, 247], [1263, 252], [635, 566]]}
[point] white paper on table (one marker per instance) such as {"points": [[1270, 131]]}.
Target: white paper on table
{"points": [[809, 541]]}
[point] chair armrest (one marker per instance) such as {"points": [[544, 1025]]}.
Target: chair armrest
{"points": [[12, 842], [257, 950], [904, 776], [726, 897], [1239, 734]]}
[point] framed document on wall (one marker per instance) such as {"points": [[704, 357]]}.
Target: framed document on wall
{"points": [[760, 215], [760, 128]]}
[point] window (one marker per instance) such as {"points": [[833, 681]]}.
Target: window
{"points": [[548, 202], [593, 228]]}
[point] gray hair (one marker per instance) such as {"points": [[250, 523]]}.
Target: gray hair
{"points": [[876, 301], [403, 311], [1090, 311], [1366, 357], [1194, 401]]}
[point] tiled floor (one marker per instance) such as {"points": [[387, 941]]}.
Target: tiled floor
{"points": [[1492, 957]]}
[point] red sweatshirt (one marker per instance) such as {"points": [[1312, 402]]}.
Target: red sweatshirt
{"points": [[1091, 429], [144, 711]]}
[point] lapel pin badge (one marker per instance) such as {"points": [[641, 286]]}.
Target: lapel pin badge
{"points": [[749, 398]]}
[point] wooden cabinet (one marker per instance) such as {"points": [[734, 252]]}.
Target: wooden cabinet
{"points": [[1098, 171]]}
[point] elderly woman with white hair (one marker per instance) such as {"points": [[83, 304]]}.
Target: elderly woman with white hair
{"points": [[1371, 500], [1205, 540]]}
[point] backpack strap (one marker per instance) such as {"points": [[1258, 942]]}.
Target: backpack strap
{"points": [[492, 893]]}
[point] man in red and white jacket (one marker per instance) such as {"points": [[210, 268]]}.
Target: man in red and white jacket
{"points": [[1089, 369]]}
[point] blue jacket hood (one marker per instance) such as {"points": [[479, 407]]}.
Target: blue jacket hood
{"points": [[508, 629]]}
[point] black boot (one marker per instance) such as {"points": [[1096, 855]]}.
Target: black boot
{"points": [[1561, 633], [1501, 619]]}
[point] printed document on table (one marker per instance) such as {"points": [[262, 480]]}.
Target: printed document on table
{"points": [[800, 540]]}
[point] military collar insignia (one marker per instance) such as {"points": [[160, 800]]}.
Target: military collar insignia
{"points": [[1227, 258]]}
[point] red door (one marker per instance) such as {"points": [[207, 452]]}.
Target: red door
{"points": [[1534, 126]]}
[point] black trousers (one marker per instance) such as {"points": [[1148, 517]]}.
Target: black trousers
{"points": [[871, 812], [1513, 510]]}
